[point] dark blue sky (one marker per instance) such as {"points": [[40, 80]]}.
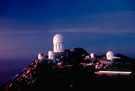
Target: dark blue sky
{"points": [[27, 26]]}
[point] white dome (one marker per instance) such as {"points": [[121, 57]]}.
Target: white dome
{"points": [[109, 55], [92, 55], [58, 38], [40, 56]]}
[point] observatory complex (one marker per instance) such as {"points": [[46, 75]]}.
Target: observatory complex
{"points": [[58, 50], [58, 47]]}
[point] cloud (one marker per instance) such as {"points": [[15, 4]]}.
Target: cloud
{"points": [[111, 31], [112, 23], [106, 31], [94, 30]]}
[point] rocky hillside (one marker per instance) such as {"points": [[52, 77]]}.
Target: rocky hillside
{"points": [[72, 72]]}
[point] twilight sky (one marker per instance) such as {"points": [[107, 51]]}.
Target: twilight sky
{"points": [[28, 26]]}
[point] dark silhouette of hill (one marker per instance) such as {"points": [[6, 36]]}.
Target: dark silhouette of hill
{"points": [[42, 75]]}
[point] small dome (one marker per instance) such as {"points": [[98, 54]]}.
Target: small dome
{"points": [[40, 56], [58, 38], [109, 55], [92, 55]]}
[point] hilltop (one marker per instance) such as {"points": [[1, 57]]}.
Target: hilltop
{"points": [[73, 71]]}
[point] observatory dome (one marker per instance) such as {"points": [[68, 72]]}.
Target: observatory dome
{"points": [[58, 38], [58, 43], [92, 55], [40, 56], [109, 55]]}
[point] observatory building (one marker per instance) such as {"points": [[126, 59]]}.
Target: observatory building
{"points": [[92, 55], [58, 45], [110, 56], [40, 56], [51, 55]]}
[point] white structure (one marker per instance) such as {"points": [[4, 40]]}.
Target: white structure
{"points": [[110, 56], [51, 55], [92, 55], [114, 72], [58, 43], [40, 56]]}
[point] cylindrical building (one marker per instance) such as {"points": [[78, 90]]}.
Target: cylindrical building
{"points": [[58, 43], [51, 55]]}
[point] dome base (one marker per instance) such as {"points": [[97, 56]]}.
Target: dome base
{"points": [[59, 54]]}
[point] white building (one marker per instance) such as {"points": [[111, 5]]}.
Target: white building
{"points": [[51, 55], [40, 56], [92, 55], [58, 43], [110, 56]]}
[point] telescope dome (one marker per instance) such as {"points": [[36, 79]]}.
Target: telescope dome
{"points": [[109, 55], [58, 38]]}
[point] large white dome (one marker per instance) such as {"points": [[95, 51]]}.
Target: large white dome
{"points": [[58, 38], [109, 55]]}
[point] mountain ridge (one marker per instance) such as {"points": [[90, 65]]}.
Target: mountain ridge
{"points": [[74, 73]]}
